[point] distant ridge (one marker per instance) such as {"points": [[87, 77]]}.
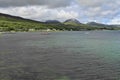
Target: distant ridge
{"points": [[96, 24], [101, 25], [53, 22]]}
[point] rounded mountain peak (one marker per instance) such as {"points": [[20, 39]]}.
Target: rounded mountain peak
{"points": [[72, 20]]}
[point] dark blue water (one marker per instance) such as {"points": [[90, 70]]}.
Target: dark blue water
{"points": [[84, 55]]}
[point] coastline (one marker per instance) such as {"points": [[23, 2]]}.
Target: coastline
{"points": [[48, 31]]}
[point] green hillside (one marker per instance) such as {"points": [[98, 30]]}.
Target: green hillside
{"points": [[14, 23]]}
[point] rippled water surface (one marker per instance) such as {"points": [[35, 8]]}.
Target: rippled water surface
{"points": [[84, 55]]}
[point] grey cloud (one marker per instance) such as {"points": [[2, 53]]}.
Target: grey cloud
{"points": [[48, 3], [93, 3], [84, 10], [100, 8]]}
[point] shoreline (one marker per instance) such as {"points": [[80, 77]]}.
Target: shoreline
{"points": [[3, 32]]}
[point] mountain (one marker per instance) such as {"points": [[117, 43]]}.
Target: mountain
{"points": [[53, 22], [103, 26], [72, 22], [96, 24], [16, 23]]}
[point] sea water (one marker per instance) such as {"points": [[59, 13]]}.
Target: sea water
{"points": [[81, 55]]}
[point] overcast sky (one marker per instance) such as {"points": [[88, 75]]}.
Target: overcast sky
{"points": [[103, 11]]}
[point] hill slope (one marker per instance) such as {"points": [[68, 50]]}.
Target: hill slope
{"points": [[7, 17]]}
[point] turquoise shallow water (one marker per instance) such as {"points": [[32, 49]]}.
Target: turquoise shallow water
{"points": [[101, 43], [84, 55]]}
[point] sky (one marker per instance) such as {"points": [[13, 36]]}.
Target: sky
{"points": [[101, 11]]}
